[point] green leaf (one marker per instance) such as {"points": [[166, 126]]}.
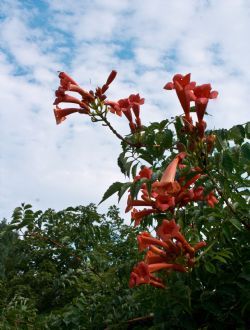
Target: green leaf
{"points": [[237, 133], [247, 130], [221, 259], [220, 143], [121, 163], [65, 239], [135, 188], [153, 126], [217, 159], [236, 223], [145, 156], [27, 206], [123, 189], [227, 162], [128, 166], [210, 267], [226, 253], [245, 308], [134, 169], [226, 230], [115, 187], [246, 272], [70, 209], [178, 128], [245, 192], [245, 150], [163, 123], [167, 139]]}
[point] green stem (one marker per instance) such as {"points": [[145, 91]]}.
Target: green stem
{"points": [[105, 120]]}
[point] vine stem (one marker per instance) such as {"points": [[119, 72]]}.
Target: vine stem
{"points": [[138, 320], [117, 134]]}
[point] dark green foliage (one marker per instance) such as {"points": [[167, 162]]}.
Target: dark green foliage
{"points": [[71, 270], [65, 270]]}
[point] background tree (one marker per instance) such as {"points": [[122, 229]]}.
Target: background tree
{"points": [[65, 270]]}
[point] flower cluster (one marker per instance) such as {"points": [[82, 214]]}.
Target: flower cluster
{"points": [[86, 100], [170, 252], [187, 91], [89, 100], [169, 192]]}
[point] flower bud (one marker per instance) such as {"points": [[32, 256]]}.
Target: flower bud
{"points": [[111, 77]]}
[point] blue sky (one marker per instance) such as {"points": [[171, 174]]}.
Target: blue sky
{"points": [[146, 42]]}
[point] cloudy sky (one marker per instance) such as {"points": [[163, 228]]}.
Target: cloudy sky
{"points": [[146, 42]]}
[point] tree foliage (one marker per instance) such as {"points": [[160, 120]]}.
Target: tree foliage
{"points": [[65, 270]]}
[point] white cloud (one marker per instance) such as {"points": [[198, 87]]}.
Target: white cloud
{"points": [[146, 42]]}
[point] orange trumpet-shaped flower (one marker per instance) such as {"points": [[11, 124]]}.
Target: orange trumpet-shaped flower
{"points": [[60, 114], [169, 230], [199, 196], [124, 106], [135, 101], [145, 240], [211, 199], [167, 184], [135, 202], [169, 173], [85, 95], [204, 91], [199, 245], [182, 85], [126, 109], [141, 275], [157, 251], [201, 95], [153, 258], [65, 79], [156, 267], [145, 172], [138, 215], [163, 203], [64, 98], [113, 107]]}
